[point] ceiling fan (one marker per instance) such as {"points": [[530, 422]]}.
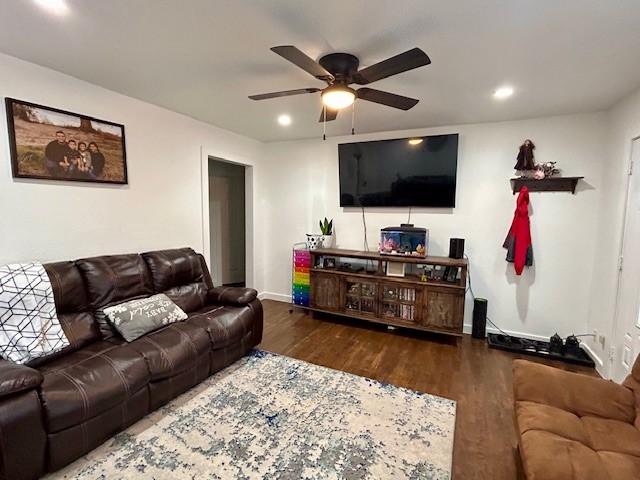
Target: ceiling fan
{"points": [[339, 70]]}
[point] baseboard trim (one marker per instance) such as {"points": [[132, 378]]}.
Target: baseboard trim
{"points": [[530, 336], [278, 297], [594, 357]]}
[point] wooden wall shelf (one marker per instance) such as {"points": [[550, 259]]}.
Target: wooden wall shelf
{"points": [[431, 305], [550, 184]]}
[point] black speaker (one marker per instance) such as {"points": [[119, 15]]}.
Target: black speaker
{"points": [[479, 327], [456, 248]]}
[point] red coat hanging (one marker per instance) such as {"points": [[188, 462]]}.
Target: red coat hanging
{"points": [[518, 241]]}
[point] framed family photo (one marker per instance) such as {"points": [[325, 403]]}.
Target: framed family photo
{"points": [[51, 144]]}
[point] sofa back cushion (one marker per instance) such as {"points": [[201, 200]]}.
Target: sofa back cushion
{"points": [[72, 308], [113, 279], [179, 274]]}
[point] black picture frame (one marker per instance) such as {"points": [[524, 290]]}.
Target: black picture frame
{"points": [[14, 145], [451, 274], [329, 262]]}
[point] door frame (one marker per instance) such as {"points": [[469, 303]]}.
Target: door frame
{"points": [[212, 152], [616, 333]]}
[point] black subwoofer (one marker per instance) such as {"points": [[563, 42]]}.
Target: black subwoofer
{"points": [[479, 327], [456, 248]]}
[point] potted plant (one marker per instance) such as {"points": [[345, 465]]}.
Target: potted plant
{"points": [[326, 227]]}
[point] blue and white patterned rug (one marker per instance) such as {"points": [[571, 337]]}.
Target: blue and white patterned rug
{"points": [[270, 416]]}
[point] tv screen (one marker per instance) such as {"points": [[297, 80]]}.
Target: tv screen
{"points": [[407, 172]]}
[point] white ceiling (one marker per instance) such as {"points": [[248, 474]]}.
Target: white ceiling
{"points": [[203, 57]]}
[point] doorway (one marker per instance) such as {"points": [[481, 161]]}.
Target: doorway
{"points": [[627, 320], [227, 222]]}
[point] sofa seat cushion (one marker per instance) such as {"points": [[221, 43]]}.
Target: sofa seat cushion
{"points": [[536, 416], [172, 349], [547, 456], [612, 435], [620, 466], [556, 444], [226, 324], [89, 381]]}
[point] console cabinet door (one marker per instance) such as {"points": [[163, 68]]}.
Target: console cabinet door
{"points": [[443, 309], [325, 291]]}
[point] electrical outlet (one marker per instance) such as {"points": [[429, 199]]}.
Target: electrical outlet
{"points": [[598, 339]]}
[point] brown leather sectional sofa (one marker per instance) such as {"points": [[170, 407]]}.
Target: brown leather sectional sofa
{"points": [[575, 427], [58, 408]]}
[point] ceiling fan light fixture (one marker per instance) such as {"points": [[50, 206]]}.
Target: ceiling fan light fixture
{"points": [[338, 97]]}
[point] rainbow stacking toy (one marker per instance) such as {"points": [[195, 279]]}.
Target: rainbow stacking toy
{"points": [[300, 285]]}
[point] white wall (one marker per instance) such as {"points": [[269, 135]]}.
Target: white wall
{"points": [[623, 122], [300, 185], [161, 207]]}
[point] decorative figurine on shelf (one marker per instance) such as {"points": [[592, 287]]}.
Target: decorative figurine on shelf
{"points": [[549, 169], [525, 161], [538, 174]]}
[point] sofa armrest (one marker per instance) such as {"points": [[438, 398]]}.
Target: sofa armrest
{"points": [[17, 378], [236, 296], [579, 394]]}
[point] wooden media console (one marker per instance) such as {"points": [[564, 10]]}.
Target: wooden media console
{"points": [[430, 296]]}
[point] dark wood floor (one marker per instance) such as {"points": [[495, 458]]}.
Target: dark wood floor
{"points": [[465, 370]]}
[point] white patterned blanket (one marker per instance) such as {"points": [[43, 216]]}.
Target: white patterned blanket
{"points": [[29, 326]]}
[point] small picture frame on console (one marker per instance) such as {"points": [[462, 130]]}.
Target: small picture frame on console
{"points": [[329, 262], [451, 274], [438, 272]]}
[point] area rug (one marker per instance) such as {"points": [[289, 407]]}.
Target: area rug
{"points": [[270, 416]]}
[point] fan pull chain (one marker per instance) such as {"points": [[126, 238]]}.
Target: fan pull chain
{"points": [[353, 118], [324, 123]]}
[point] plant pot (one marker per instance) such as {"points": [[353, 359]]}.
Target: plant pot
{"points": [[314, 241], [327, 241]]}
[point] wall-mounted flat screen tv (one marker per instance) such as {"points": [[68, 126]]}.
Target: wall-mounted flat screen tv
{"points": [[406, 172]]}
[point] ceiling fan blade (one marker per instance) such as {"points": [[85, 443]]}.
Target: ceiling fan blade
{"points": [[403, 62], [285, 93], [386, 98], [331, 115], [298, 58]]}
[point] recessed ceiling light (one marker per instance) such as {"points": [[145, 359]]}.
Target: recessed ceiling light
{"points": [[415, 141], [284, 120], [58, 7], [503, 92]]}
